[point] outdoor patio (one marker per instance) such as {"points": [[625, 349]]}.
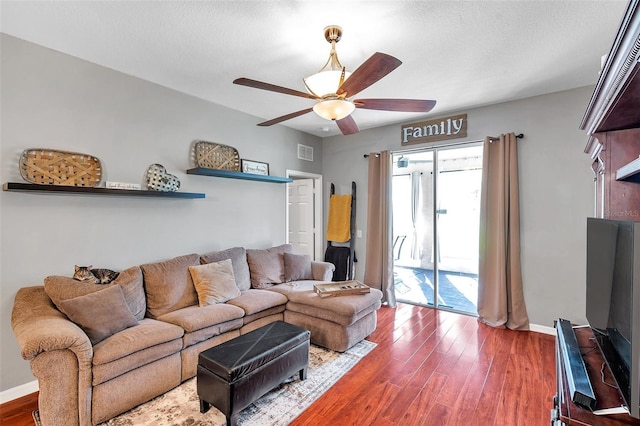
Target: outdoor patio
{"points": [[457, 291]]}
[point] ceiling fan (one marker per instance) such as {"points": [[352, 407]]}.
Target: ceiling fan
{"points": [[333, 87]]}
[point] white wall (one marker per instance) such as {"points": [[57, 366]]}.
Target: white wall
{"points": [[555, 191], [51, 100]]}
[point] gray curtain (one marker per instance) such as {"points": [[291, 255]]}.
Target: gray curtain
{"points": [[500, 294], [379, 259]]}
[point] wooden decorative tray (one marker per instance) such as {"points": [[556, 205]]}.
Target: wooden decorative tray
{"points": [[340, 288], [217, 156], [51, 167]]}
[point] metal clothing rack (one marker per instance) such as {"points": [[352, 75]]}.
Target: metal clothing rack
{"points": [[352, 240]]}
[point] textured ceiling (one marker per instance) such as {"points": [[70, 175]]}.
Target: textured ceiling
{"points": [[461, 53]]}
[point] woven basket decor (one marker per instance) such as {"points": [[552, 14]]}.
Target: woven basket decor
{"points": [[51, 167], [216, 156], [159, 180]]}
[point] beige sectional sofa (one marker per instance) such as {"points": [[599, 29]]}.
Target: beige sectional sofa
{"points": [[100, 350]]}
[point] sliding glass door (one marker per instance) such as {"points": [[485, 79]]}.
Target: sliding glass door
{"points": [[436, 202]]}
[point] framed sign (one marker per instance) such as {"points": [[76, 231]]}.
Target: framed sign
{"points": [[451, 127], [255, 167]]}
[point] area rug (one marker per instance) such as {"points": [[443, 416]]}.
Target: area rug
{"points": [[181, 407]]}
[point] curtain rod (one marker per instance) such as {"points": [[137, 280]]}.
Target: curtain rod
{"points": [[518, 136]]}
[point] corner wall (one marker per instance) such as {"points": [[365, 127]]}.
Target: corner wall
{"points": [[556, 191], [52, 100]]}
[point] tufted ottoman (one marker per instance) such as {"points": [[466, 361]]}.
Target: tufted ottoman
{"points": [[336, 323], [234, 374]]}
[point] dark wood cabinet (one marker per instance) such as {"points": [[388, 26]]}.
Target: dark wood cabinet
{"points": [[617, 187], [612, 121]]}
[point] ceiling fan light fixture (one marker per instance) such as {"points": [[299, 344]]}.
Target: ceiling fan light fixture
{"points": [[328, 80], [325, 83], [334, 109]]}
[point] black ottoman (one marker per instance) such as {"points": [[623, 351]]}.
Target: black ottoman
{"points": [[234, 374]]}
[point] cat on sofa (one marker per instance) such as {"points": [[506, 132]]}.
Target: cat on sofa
{"points": [[97, 276]]}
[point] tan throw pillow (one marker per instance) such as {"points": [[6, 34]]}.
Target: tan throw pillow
{"points": [[238, 256], [60, 288], [215, 282], [297, 267], [168, 285], [267, 266], [100, 314]]}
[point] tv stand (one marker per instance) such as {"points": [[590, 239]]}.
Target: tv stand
{"points": [[565, 412]]}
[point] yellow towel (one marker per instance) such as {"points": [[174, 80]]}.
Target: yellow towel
{"points": [[338, 226]]}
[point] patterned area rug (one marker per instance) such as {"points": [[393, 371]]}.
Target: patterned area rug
{"points": [[181, 407]]}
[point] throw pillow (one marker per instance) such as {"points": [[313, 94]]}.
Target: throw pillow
{"points": [[267, 266], [100, 314], [238, 256], [215, 282], [168, 285], [297, 267], [60, 288]]}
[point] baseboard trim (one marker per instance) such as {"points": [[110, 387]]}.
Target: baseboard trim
{"points": [[18, 391], [542, 329]]}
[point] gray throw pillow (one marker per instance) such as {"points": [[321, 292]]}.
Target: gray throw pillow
{"points": [[267, 266], [214, 282], [100, 314], [60, 288], [297, 267], [238, 256]]}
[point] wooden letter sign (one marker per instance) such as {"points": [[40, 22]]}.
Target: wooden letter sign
{"points": [[439, 129]]}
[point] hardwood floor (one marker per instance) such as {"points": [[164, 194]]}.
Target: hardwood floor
{"points": [[429, 368], [438, 368], [18, 411]]}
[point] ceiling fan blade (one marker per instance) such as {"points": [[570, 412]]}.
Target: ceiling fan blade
{"points": [[285, 117], [404, 105], [271, 87], [348, 125], [372, 70]]}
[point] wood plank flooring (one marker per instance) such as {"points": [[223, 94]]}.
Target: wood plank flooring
{"points": [[430, 368], [18, 411], [439, 368]]}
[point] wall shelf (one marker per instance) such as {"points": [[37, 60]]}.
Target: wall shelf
{"points": [[21, 187], [629, 172], [202, 171]]}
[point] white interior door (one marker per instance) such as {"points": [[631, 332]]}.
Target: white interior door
{"points": [[301, 217]]}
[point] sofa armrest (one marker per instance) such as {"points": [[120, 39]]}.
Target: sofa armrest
{"points": [[40, 327], [322, 271]]}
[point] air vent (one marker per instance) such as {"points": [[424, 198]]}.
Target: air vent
{"points": [[305, 152]]}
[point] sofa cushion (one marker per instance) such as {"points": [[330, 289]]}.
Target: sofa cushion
{"points": [[214, 282], [59, 288], [194, 317], [267, 266], [253, 301], [238, 256], [168, 285], [99, 314], [134, 347], [297, 267], [202, 323]]}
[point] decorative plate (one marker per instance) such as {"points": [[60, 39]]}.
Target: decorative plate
{"points": [[51, 167], [216, 156], [159, 180]]}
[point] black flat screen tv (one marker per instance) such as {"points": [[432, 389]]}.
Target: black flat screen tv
{"points": [[613, 301]]}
